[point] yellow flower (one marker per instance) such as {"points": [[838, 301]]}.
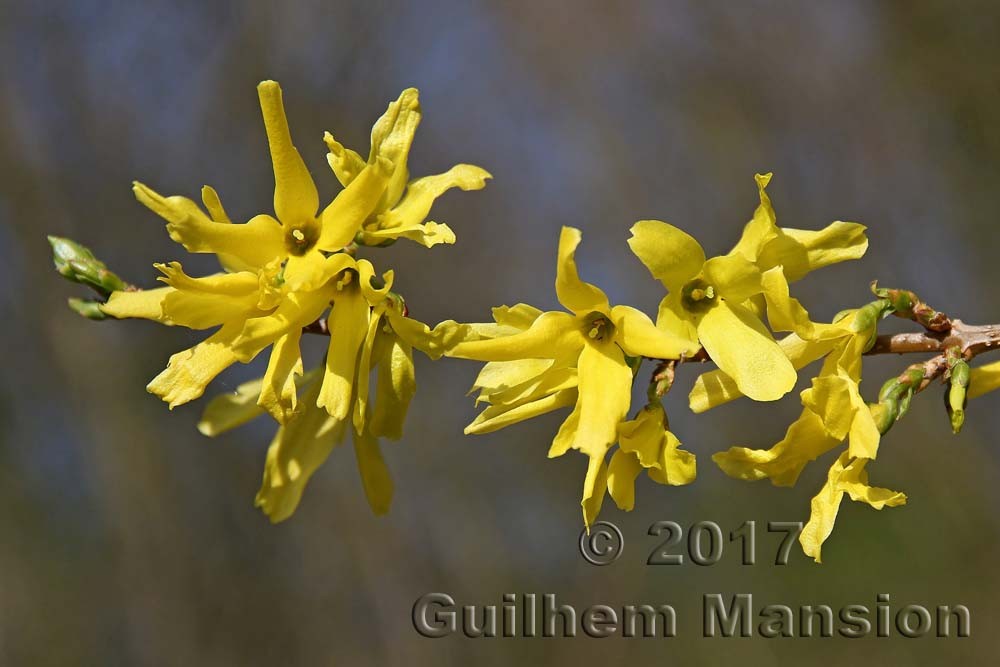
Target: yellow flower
{"points": [[593, 338], [303, 235], [705, 301], [847, 475], [984, 379], [645, 443], [399, 215]]}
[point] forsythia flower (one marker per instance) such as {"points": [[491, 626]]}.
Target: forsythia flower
{"points": [[714, 299], [282, 275], [833, 410], [593, 340]]}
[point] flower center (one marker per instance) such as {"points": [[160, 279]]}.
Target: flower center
{"points": [[597, 327], [698, 295], [300, 238]]}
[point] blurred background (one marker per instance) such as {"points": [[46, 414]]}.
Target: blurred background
{"points": [[130, 539]]}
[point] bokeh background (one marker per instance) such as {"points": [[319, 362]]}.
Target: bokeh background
{"points": [[130, 539]]}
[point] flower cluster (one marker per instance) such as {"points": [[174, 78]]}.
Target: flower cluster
{"points": [[298, 272], [282, 274], [587, 358]]}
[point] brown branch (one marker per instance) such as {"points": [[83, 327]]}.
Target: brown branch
{"points": [[971, 339]]}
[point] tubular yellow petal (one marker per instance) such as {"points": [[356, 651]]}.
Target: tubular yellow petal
{"points": [[434, 342], [982, 379], [144, 304], [496, 417], [295, 196], [761, 228], [671, 255], [189, 372], [342, 219], [428, 234], [361, 411], [392, 136], [805, 440], [395, 386], [847, 475], [639, 337], [574, 294], [227, 411], [677, 466], [644, 435], [297, 451], [553, 335], [622, 471], [348, 323], [346, 164], [375, 476], [277, 392], [594, 487], [549, 382], [420, 195], [605, 386], [740, 345]]}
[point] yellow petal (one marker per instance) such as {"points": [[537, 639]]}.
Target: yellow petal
{"points": [[672, 318], [348, 323], [805, 440], [295, 311], [734, 278], [189, 372], [982, 379], [366, 274], [213, 204], [414, 207], [671, 255], [392, 136], [144, 304], [297, 451], [295, 196], [622, 471], [677, 466], [740, 345], [203, 303], [428, 234], [594, 487], [553, 335], [574, 294], [227, 411], [761, 228], [435, 342], [799, 251], [496, 417], [639, 337], [500, 375], [346, 164], [254, 243], [375, 476], [277, 393], [644, 435], [520, 316], [716, 388], [395, 386], [361, 411], [605, 386], [566, 435], [847, 475], [342, 219], [315, 272]]}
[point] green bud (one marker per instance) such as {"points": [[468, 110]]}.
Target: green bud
{"points": [[885, 414], [956, 398], [76, 263], [86, 308]]}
